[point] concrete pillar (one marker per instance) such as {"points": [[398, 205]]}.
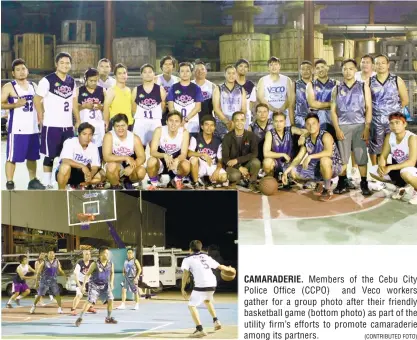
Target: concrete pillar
{"points": [[309, 30]]}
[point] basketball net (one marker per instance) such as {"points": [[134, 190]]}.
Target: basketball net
{"points": [[85, 219]]}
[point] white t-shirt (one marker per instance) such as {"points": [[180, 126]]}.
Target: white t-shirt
{"points": [[358, 75], [201, 265], [72, 149], [110, 82]]}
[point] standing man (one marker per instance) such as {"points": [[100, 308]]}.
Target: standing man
{"points": [[148, 104], [367, 69], [298, 109], [55, 101], [118, 98], [351, 111], [261, 126], [101, 285], [227, 99], [240, 152], [206, 86], [23, 131], [131, 274], [274, 89], [242, 67], [200, 265], [389, 94], [186, 98], [38, 262], [104, 68], [20, 288]]}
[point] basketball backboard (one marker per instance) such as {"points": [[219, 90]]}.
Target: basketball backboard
{"points": [[100, 203]]}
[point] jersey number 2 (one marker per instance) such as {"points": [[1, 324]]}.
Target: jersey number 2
{"points": [[66, 106]]}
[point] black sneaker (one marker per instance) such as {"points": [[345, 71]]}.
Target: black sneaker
{"points": [[341, 189], [365, 190], [10, 185], [349, 184], [36, 184], [78, 322], [116, 187], [110, 320]]}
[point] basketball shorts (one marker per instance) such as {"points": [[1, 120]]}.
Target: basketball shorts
{"points": [[280, 165], [198, 297], [22, 147], [353, 142], [163, 169], [129, 284], [76, 178], [144, 128], [101, 292], [379, 130], [51, 286], [394, 176], [205, 170], [78, 289], [53, 138], [19, 287], [312, 173]]}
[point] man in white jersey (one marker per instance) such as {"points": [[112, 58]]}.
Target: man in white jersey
{"points": [[148, 104], [367, 69], [23, 132], [186, 98], [166, 79], [206, 86], [19, 281], [104, 68], [55, 101], [131, 274], [275, 89], [228, 98], [200, 265], [124, 154], [401, 144], [80, 160], [242, 68], [169, 148]]}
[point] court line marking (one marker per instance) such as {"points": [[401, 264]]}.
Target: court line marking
{"points": [[149, 330], [266, 214]]}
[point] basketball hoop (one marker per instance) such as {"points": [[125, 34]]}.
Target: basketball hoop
{"points": [[85, 219]]}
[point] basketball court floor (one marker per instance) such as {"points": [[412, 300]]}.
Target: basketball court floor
{"points": [[163, 317]]}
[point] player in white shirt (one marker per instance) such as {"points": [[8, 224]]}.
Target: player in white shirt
{"points": [[148, 104], [169, 149], [124, 154], [80, 160], [55, 101], [275, 89], [200, 265], [206, 86], [242, 68], [23, 132], [20, 288], [367, 69], [104, 68]]}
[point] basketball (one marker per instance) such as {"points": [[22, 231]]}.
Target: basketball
{"points": [[268, 185], [229, 274]]}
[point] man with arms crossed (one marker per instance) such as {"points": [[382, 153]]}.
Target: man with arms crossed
{"points": [[200, 265], [242, 68], [298, 109], [131, 273]]}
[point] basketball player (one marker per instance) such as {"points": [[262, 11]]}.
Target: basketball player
{"points": [[22, 132], [169, 148], [104, 68], [91, 104], [38, 262], [227, 99], [278, 148], [351, 111], [200, 265], [323, 161], [124, 154], [206, 86], [48, 272], [80, 160], [205, 152], [186, 98], [389, 94], [274, 89], [367, 69], [20, 288], [298, 109], [81, 269], [166, 79], [55, 101], [131, 273], [148, 103], [118, 99], [261, 126], [401, 144], [242, 68], [240, 152], [100, 278]]}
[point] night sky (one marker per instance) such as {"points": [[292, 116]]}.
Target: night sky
{"points": [[210, 216]]}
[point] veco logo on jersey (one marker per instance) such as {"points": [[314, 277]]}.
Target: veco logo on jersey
{"points": [[148, 103], [62, 90], [184, 100], [276, 89]]}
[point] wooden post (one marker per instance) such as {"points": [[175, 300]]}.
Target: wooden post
{"points": [[109, 30], [77, 242], [371, 13], [309, 30]]}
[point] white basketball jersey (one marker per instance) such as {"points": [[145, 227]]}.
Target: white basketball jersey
{"points": [[23, 120], [169, 145], [276, 91], [400, 152], [24, 268], [72, 149], [149, 104], [160, 80], [123, 147], [201, 265], [206, 89], [230, 100]]}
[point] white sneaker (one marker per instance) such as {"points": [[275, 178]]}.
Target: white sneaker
{"points": [[398, 194], [198, 334], [413, 198], [60, 311], [122, 306], [32, 310], [217, 325], [136, 307], [51, 297], [376, 186]]}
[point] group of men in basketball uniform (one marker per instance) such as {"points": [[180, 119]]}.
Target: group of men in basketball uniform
{"points": [[357, 107]]}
